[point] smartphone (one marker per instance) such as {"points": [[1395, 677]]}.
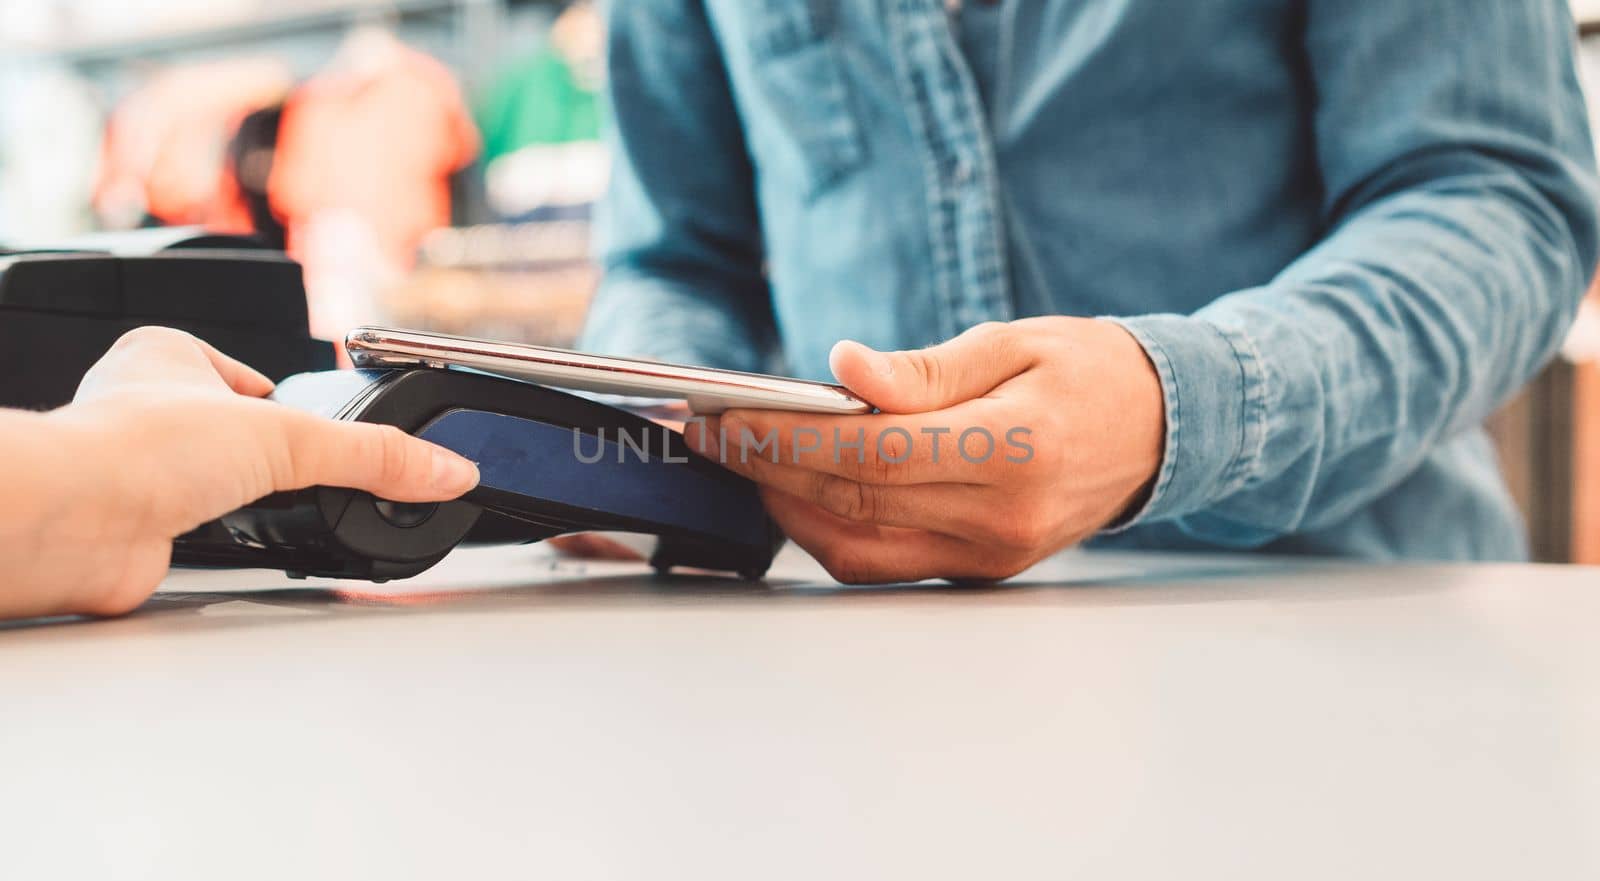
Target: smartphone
{"points": [[706, 390]]}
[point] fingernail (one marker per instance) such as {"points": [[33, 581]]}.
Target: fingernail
{"points": [[452, 473]]}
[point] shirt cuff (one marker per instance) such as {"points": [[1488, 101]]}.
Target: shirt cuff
{"points": [[1214, 387]]}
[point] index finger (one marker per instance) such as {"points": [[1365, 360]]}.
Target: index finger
{"points": [[239, 376], [963, 444], [165, 355]]}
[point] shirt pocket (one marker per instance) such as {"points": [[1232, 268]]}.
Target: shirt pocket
{"points": [[805, 94]]}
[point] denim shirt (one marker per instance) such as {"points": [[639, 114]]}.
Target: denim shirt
{"points": [[1343, 230]]}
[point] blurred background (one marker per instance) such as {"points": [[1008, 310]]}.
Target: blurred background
{"points": [[435, 163], [432, 163]]}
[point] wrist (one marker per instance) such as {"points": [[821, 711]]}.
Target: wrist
{"points": [[79, 442], [92, 524], [48, 466], [1214, 388]]}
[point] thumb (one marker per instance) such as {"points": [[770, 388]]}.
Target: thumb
{"points": [[380, 459], [922, 380]]}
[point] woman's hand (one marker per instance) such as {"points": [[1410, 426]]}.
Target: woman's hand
{"points": [[166, 433], [992, 451]]}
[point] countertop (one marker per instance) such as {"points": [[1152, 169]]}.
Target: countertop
{"points": [[1103, 716]]}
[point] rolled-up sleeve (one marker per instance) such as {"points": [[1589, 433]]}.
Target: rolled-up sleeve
{"points": [[1460, 206]]}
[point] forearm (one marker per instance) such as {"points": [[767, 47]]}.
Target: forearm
{"points": [[1458, 185], [37, 494], [679, 234], [679, 320], [61, 539], [678, 285], [1294, 404]]}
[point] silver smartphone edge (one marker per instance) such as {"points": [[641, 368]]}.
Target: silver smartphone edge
{"points": [[711, 388]]}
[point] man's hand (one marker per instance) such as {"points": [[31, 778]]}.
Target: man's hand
{"points": [[992, 451], [166, 433]]}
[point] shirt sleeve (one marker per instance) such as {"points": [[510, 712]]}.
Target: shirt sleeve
{"points": [[679, 236], [1459, 188]]}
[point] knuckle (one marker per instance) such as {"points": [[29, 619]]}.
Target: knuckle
{"points": [[1042, 468], [393, 453], [846, 566], [1048, 444], [1025, 347], [990, 330], [927, 368], [1052, 425], [996, 335], [880, 469], [1024, 527], [846, 498], [1003, 567], [292, 458], [994, 568], [154, 339], [857, 466], [150, 336], [1018, 345], [1043, 327]]}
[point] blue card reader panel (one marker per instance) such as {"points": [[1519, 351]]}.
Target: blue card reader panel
{"points": [[546, 462]]}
